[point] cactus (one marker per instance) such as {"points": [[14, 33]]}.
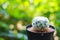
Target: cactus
{"points": [[40, 23]]}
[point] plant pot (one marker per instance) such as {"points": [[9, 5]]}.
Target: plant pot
{"points": [[40, 35]]}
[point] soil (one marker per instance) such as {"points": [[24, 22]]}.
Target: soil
{"points": [[46, 30]]}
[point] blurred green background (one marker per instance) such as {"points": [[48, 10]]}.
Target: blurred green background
{"points": [[15, 15]]}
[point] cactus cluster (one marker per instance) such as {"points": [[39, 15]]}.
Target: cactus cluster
{"points": [[40, 23]]}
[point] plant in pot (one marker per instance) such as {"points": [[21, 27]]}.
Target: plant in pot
{"points": [[40, 29]]}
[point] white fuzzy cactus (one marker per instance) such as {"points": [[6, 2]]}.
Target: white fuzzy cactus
{"points": [[40, 23]]}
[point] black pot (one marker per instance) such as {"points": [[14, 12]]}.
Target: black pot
{"points": [[41, 35]]}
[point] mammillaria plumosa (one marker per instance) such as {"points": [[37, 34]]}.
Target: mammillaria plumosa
{"points": [[40, 23]]}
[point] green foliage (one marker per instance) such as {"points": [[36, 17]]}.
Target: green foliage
{"points": [[3, 27], [1, 38], [12, 11]]}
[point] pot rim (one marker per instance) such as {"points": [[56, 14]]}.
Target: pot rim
{"points": [[41, 32]]}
